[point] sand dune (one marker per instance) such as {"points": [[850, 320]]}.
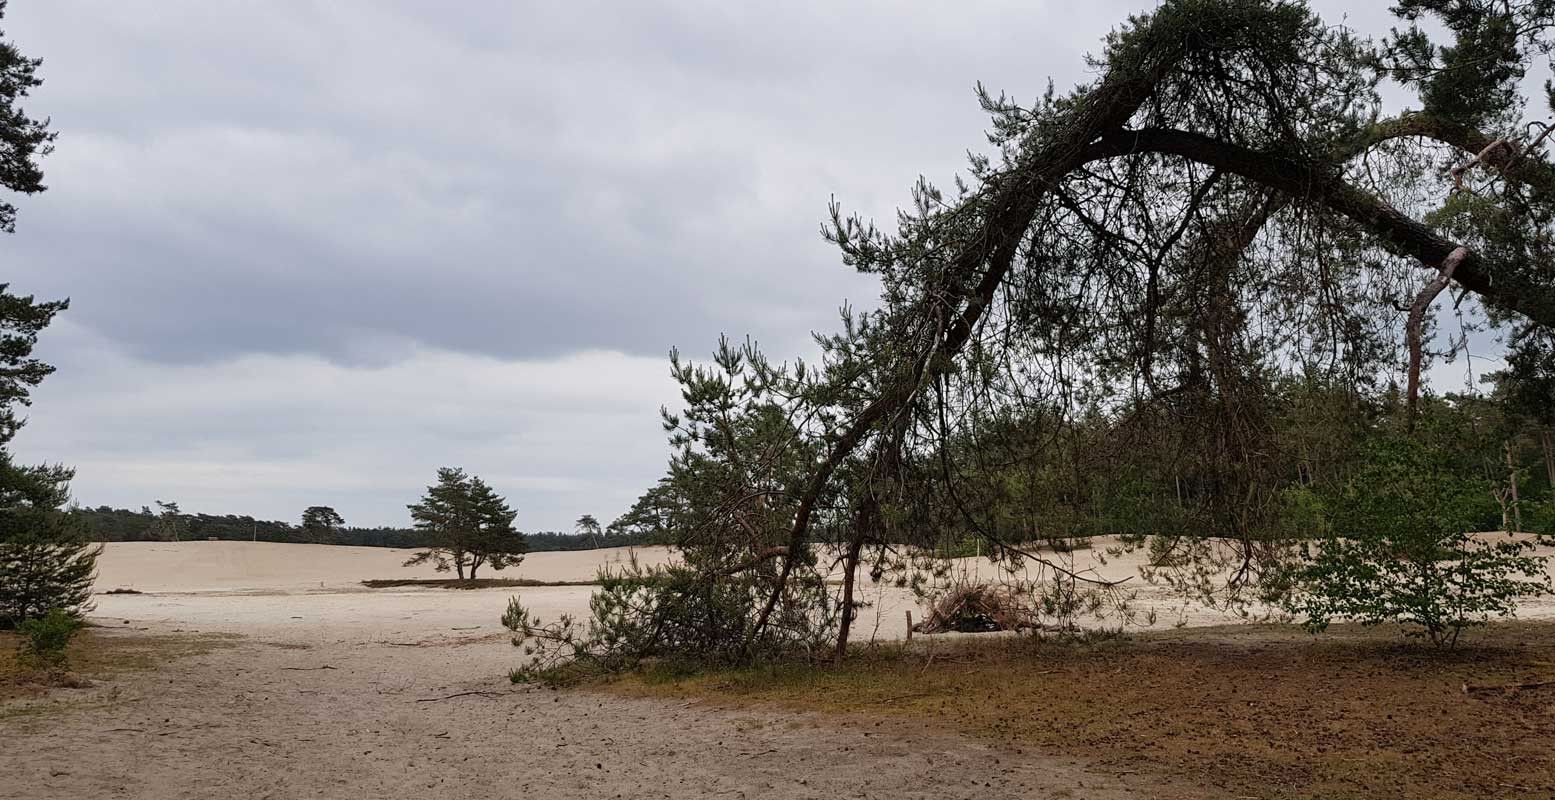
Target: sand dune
{"points": [[204, 566], [313, 592]]}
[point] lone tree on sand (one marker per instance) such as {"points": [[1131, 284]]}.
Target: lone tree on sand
{"points": [[171, 523], [471, 525], [319, 524], [588, 526]]}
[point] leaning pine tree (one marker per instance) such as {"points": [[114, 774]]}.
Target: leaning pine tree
{"points": [[45, 562], [1227, 209]]}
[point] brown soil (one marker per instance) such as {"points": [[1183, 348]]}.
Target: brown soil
{"points": [[1247, 711]]}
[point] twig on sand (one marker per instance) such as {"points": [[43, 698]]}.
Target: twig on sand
{"points": [[1508, 687], [462, 694], [307, 669], [125, 730]]}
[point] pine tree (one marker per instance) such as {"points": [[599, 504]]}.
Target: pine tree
{"points": [[471, 524], [45, 561], [588, 526], [320, 523]]}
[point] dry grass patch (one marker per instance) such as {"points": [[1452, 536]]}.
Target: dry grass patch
{"points": [[97, 654], [1244, 711]]}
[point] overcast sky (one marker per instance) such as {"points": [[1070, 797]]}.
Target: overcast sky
{"points": [[315, 250]]}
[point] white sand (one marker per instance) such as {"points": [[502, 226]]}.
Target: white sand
{"points": [[299, 592], [203, 566], [266, 719]]}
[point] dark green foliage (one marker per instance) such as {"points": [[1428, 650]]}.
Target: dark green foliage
{"points": [[1475, 77], [23, 140], [1166, 305], [105, 524], [1403, 547], [47, 637], [45, 562], [171, 524], [674, 612], [320, 524], [588, 527], [469, 525], [21, 320], [1529, 379], [726, 503]]}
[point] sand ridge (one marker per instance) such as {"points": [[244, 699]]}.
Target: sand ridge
{"points": [[312, 593]]}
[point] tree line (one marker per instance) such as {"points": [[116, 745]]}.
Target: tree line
{"points": [[106, 524]]}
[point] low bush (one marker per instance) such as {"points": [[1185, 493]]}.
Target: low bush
{"points": [[1402, 550], [46, 638]]}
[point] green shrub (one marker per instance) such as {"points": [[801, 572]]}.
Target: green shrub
{"points": [[45, 564], [1402, 550], [47, 637], [674, 612]]}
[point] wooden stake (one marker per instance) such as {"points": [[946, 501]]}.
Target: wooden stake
{"points": [[909, 624], [1511, 477], [1547, 440]]}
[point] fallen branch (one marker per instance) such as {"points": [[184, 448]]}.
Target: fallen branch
{"points": [[462, 694], [307, 669], [1507, 687]]}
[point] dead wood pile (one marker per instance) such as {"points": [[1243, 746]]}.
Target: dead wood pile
{"points": [[979, 608]]}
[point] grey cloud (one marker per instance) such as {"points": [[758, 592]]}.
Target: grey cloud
{"points": [[521, 180], [317, 249]]}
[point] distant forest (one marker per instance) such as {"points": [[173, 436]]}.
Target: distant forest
{"points": [[104, 524]]}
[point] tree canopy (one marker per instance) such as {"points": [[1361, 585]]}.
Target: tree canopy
{"points": [[470, 524], [320, 524], [1201, 275]]}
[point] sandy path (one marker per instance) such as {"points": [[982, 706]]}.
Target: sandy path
{"points": [[233, 723]]}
